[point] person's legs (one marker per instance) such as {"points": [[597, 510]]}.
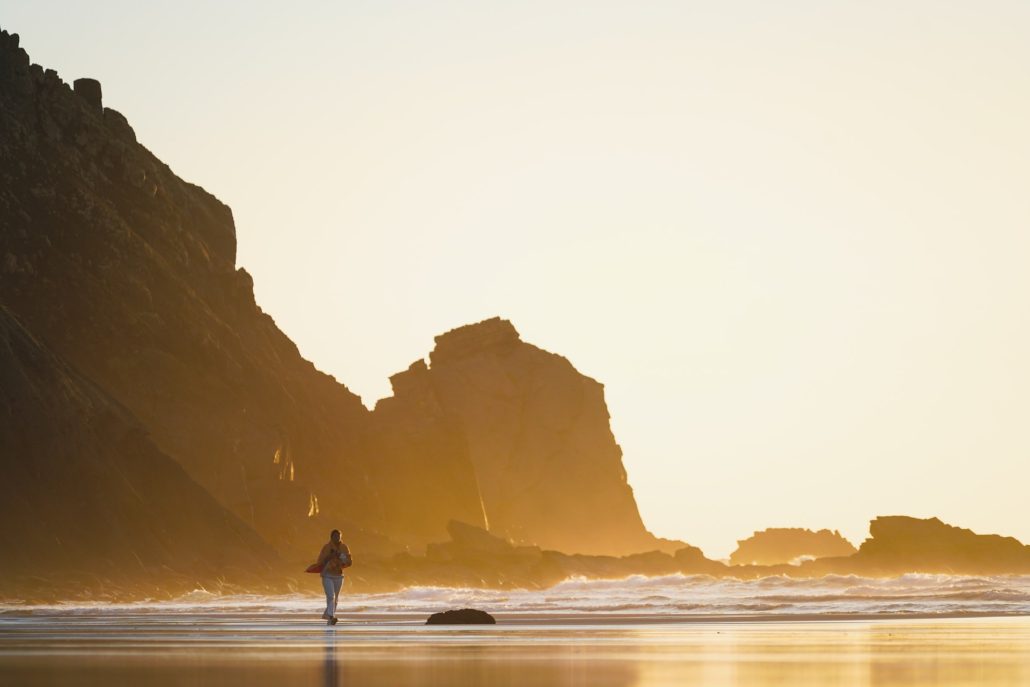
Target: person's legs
{"points": [[331, 592], [337, 584]]}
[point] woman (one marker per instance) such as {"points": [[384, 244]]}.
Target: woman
{"points": [[335, 556]]}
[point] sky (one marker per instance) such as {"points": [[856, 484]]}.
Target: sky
{"points": [[791, 239]]}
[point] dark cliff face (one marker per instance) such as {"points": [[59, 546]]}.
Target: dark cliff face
{"points": [[87, 499], [783, 545], [129, 273], [546, 463], [423, 453]]}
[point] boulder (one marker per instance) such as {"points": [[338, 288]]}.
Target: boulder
{"points": [[463, 616]]}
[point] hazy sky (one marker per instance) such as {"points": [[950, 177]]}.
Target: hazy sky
{"points": [[791, 238]]}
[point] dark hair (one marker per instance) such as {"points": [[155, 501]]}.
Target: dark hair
{"points": [[334, 533]]}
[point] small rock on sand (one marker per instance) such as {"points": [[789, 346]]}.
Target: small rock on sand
{"points": [[464, 616]]}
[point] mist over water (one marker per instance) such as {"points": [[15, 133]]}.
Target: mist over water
{"points": [[672, 595]]}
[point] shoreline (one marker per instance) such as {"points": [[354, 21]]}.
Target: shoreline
{"points": [[151, 615], [268, 649]]}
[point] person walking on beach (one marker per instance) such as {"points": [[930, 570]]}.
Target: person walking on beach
{"points": [[335, 556]]}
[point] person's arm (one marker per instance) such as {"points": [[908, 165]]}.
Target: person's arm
{"points": [[324, 556], [350, 559]]}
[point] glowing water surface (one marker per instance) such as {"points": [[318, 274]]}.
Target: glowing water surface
{"points": [[640, 632]]}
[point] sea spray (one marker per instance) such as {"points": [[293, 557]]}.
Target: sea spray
{"points": [[668, 595]]}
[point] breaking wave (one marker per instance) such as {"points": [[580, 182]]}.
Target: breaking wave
{"points": [[671, 595]]}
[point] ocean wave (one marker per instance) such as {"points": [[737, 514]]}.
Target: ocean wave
{"points": [[662, 595]]}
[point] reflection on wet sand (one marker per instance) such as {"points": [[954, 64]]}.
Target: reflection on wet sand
{"points": [[330, 677], [259, 649]]}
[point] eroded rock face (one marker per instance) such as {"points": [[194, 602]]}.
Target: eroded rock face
{"points": [[546, 463], [88, 500], [129, 273], [789, 545], [422, 453], [902, 544]]}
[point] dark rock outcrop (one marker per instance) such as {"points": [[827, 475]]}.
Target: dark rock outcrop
{"points": [[899, 544], [546, 464], [129, 273], [462, 616], [89, 89], [89, 505], [786, 545]]}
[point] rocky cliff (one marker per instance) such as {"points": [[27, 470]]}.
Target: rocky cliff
{"points": [[543, 455], [785, 545], [128, 273], [87, 501]]}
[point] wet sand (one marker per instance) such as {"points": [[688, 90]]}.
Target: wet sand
{"points": [[94, 647]]}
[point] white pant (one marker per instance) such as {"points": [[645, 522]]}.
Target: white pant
{"points": [[331, 584]]}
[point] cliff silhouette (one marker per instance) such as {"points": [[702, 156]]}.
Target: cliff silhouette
{"points": [[540, 447], [156, 413], [899, 544], [128, 274]]}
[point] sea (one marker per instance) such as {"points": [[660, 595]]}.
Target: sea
{"points": [[670, 596]]}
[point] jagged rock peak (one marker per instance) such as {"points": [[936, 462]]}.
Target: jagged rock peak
{"points": [[79, 149], [90, 91], [904, 528], [492, 334]]}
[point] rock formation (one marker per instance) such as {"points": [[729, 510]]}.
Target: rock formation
{"points": [[545, 461], [129, 274], [899, 544], [423, 455], [88, 503], [152, 410], [789, 545]]}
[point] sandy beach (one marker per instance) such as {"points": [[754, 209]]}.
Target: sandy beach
{"points": [[256, 648]]}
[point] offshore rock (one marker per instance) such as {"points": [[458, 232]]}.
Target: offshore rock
{"points": [[787, 545], [900, 544]]}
